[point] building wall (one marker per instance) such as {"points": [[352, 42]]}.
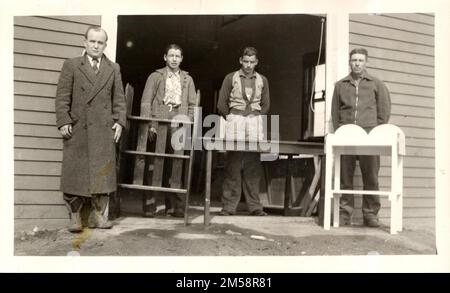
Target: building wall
{"points": [[401, 53], [41, 44]]}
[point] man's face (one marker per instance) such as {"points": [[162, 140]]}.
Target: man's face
{"points": [[95, 43], [173, 59], [248, 63], [358, 63]]}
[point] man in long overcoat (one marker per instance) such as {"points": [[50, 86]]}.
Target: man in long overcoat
{"points": [[90, 114]]}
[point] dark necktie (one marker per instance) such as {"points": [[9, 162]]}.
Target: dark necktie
{"points": [[95, 65]]}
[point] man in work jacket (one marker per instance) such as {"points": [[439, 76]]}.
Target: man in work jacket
{"points": [[363, 100], [168, 90], [243, 98], [90, 113]]}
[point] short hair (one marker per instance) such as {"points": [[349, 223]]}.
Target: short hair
{"points": [[95, 28], [359, 51], [250, 51], [173, 46]]}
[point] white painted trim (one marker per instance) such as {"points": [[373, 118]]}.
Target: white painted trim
{"points": [[337, 46], [109, 24]]}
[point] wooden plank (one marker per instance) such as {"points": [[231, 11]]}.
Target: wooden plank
{"points": [[408, 213], [410, 89], [36, 182], [85, 19], [418, 133], [420, 142], [45, 49], [38, 62], [401, 77], [51, 24], [37, 168], [44, 104], [38, 155], [39, 35], [38, 197], [419, 192], [385, 182], [401, 66], [38, 142], [411, 162], [420, 152], [377, 42], [410, 172], [407, 121], [34, 117], [36, 130], [40, 212], [406, 110], [34, 89], [390, 33], [413, 17], [389, 22], [32, 75], [385, 54], [412, 100]]}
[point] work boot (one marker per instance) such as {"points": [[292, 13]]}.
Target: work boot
{"points": [[371, 222], [75, 225], [74, 204], [97, 218]]}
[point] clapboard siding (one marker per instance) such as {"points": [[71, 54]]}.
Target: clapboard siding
{"points": [[83, 19], [398, 24], [31, 168], [38, 62], [396, 66], [51, 24], [389, 32], [416, 18], [401, 53], [38, 197], [29, 88], [43, 36], [40, 212], [37, 142], [30, 103], [36, 130], [44, 49], [41, 44], [27, 154], [376, 42], [38, 76], [34, 117]]}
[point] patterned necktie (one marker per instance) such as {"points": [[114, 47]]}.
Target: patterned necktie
{"points": [[95, 65]]}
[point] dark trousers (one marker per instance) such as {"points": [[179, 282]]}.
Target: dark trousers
{"points": [[172, 202], [370, 165], [243, 171]]}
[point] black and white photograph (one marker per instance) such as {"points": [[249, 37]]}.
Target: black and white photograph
{"points": [[246, 132]]}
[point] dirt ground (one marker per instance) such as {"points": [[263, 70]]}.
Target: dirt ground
{"points": [[225, 236]]}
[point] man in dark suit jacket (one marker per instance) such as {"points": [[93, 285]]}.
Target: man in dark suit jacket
{"points": [[90, 114]]}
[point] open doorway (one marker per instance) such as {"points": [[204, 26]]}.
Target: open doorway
{"points": [[212, 44], [288, 48]]}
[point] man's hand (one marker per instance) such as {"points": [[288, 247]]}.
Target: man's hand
{"points": [[151, 134], [66, 131], [118, 128]]}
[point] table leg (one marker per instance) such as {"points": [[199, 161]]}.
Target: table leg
{"points": [[206, 218]]}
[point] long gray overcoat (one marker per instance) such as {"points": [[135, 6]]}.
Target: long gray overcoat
{"points": [[92, 104]]}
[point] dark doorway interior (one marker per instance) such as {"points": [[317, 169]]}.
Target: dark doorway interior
{"points": [[212, 46]]}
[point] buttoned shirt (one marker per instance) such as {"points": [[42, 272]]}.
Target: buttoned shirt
{"points": [[173, 88]]}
